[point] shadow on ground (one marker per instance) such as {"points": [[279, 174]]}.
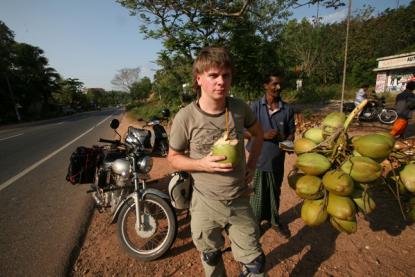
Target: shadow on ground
{"points": [[312, 245]]}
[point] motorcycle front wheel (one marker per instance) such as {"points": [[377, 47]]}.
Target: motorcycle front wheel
{"points": [[388, 116], [155, 235]]}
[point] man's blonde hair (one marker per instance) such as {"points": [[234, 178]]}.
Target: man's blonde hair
{"points": [[208, 58]]}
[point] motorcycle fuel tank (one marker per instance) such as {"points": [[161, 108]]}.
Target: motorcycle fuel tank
{"points": [[121, 166], [110, 157]]}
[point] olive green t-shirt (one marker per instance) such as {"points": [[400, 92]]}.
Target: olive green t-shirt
{"points": [[196, 131]]}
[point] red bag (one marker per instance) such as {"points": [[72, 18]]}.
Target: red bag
{"points": [[399, 127], [83, 163]]}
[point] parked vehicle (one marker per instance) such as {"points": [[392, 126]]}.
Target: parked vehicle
{"points": [[159, 142], [67, 110], [374, 110], [146, 221]]}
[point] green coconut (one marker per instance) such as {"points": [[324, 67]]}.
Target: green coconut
{"points": [[304, 145], [346, 226], [388, 135], [411, 209], [356, 154], [395, 179], [363, 201], [313, 163], [338, 182], [228, 148], [375, 146], [314, 134], [332, 122], [352, 139], [309, 187], [292, 179], [407, 176], [341, 207], [313, 212], [362, 169]]}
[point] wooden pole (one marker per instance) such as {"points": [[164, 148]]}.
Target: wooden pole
{"points": [[345, 54]]}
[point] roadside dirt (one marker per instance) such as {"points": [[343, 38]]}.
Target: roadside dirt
{"points": [[384, 244]]}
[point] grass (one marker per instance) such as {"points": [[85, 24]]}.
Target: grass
{"points": [[145, 110]]}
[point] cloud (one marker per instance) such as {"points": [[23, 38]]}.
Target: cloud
{"points": [[337, 16]]}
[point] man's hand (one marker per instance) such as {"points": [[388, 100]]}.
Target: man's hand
{"points": [[270, 134], [211, 164], [249, 174]]}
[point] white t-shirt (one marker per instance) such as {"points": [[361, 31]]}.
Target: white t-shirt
{"points": [[360, 96]]}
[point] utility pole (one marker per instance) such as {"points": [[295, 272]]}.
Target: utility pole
{"points": [[345, 54]]}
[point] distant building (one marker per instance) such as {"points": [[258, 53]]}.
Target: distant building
{"points": [[394, 71]]}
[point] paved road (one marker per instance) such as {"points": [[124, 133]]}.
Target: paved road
{"points": [[42, 217]]}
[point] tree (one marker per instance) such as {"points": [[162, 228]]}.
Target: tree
{"points": [[33, 80], [327, 3], [95, 96], [70, 92], [301, 41], [187, 26], [125, 78], [141, 89], [7, 99]]}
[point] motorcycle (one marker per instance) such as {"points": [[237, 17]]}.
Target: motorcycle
{"points": [[146, 221], [159, 142], [374, 110]]}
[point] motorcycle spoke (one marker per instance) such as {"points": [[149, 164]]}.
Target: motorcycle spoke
{"points": [[156, 228]]}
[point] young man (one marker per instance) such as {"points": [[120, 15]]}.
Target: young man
{"points": [[405, 104], [362, 94], [277, 120], [220, 199]]}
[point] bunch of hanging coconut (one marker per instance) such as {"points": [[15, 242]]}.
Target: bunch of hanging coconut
{"points": [[333, 172]]}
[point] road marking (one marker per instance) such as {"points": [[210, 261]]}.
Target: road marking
{"points": [[11, 136], [30, 168]]}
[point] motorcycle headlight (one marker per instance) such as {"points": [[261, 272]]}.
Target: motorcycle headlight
{"points": [[145, 164]]}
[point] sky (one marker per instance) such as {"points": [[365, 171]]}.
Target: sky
{"points": [[92, 39]]}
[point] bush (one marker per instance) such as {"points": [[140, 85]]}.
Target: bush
{"points": [[314, 93], [150, 109]]}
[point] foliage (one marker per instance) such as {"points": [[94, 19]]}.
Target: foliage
{"points": [[168, 81], [314, 93], [95, 96], [141, 89], [70, 92], [26, 80], [146, 110], [186, 26]]}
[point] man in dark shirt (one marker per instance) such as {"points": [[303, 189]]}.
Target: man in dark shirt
{"points": [[277, 121], [405, 104]]}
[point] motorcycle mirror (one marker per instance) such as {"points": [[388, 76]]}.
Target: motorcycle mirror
{"points": [[114, 123]]}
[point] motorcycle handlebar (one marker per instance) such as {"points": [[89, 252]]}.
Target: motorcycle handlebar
{"points": [[110, 141]]}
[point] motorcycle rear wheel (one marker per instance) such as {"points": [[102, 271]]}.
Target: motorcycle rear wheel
{"points": [[157, 234], [388, 116]]}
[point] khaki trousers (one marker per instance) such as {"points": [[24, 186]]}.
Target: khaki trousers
{"points": [[209, 218]]}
